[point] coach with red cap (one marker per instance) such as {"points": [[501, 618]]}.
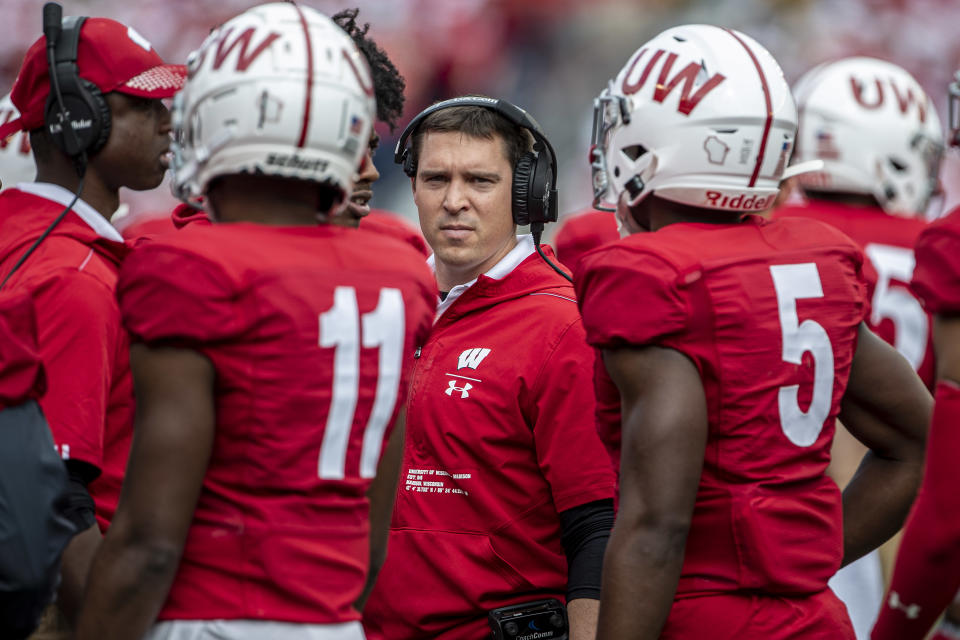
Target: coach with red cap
{"points": [[96, 124]]}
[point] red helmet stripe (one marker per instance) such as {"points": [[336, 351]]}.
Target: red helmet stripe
{"points": [[307, 100], [769, 105]]}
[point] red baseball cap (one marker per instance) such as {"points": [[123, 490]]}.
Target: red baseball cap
{"points": [[111, 55]]}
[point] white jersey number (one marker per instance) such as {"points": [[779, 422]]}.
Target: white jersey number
{"points": [[794, 282], [896, 303], [340, 329]]}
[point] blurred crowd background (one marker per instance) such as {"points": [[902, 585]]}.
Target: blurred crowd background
{"points": [[551, 57]]}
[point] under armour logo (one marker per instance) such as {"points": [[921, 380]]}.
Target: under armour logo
{"points": [[464, 390], [912, 611], [472, 357]]}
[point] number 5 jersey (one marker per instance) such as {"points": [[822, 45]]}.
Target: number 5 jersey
{"points": [[769, 314], [310, 331]]}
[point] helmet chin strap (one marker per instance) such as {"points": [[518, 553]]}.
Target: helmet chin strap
{"points": [[635, 186]]}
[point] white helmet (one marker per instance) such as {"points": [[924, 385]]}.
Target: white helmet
{"points": [[699, 115], [278, 90], [16, 158], [876, 131]]}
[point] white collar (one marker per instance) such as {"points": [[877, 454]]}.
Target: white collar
{"points": [[88, 214], [498, 271]]}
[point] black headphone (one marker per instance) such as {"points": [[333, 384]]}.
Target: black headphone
{"points": [[534, 180], [76, 114]]}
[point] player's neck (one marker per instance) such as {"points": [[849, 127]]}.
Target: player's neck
{"points": [[860, 200], [268, 201], [661, 213]]}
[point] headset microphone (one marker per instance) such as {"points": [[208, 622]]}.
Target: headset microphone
{"points": [[52, 20]]}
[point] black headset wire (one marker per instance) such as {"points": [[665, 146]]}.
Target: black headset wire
{"points": [[51, 28], [536, 230]]}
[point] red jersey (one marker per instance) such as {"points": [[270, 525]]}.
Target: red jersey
{"points": [[582, 232], [500, 439], [393, 225], [769, 314], [896, 315], [185, 214], [936, 279], [71, 278], [927, 572], [21, 371], [307, 329], [145, 225]]}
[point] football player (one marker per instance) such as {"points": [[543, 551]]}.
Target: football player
{"points": [[388, 86], [269, 357], [927, 572], [735, 344]]}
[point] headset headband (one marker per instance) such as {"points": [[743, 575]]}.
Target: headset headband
{"points": [[69, 40], [510, 111]]}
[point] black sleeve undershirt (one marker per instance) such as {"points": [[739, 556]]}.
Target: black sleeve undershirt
{"points": [[585, 531], [79, 507]]}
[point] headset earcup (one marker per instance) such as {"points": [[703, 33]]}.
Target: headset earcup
{"points": [[100, 131], [86, 104], [406, 161], [523, 174]]}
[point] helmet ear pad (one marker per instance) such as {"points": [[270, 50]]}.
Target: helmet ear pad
{"points": [[531, 184]]}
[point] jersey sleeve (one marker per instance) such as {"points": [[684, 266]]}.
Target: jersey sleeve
{"points": [[629, 297], [174, 296], [569, 451], [79, 333], [936, 277]]}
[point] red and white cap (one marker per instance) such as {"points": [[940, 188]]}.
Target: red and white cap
{"points": [[111, 55]]}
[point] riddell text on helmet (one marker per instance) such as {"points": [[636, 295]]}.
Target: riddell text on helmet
{"points": [[741, 202]]}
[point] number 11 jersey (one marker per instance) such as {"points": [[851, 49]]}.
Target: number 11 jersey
{"points": [[769, 313], [310, 331]]}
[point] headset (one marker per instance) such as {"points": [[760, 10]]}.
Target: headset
{"points": [[76, 114], [534, 190]]}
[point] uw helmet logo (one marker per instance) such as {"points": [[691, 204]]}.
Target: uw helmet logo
{"points": [[472, 357]]}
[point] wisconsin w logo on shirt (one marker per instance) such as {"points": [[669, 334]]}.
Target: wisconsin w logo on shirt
{"points": [[472, 357]]}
